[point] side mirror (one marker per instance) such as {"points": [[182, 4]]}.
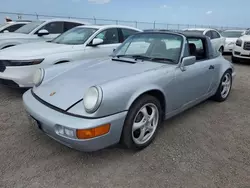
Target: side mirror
{"points": [[96, 41], [6, 31], [114, 50], [42, 32], [186, 61]]}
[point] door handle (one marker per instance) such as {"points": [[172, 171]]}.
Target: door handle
{"points": [[211, 67]]}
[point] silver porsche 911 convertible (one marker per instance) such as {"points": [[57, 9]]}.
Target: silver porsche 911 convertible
{"points": [[151, 77]]}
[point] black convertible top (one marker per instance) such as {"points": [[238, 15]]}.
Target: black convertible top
{"points": [[186, 33]]}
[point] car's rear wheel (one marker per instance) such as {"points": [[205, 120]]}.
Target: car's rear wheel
{"points": [[224, 88], [141, 123]]}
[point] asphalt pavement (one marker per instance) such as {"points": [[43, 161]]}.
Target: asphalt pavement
{"points": [[206, 146]]}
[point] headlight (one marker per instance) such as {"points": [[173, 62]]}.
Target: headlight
{"points": [[38, 77], [92, 99], [238, 42], [24, 62], [231, 43]]}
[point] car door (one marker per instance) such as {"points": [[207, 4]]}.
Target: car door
{"points": [[54, 28], [194, 83], [111, 40]]}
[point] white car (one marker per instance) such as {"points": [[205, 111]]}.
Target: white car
{"points": [[217, 40], [38, 31], [231, 38], [12, 26], [18, 63], [241, 49]]}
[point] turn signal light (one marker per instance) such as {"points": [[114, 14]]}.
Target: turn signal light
{"points": [[94, 132]]}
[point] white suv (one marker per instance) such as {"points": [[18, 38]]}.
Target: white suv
{"points": [[38, 31], [241, 49]]}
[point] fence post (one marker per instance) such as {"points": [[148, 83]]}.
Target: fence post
{"points": [[154, 24], [94, 20], [178, 27], [167, 26], [136, 24], [36, 16], [116, 22]]}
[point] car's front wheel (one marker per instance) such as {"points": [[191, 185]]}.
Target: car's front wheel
{"points": [[224, 88], [141, 123]]}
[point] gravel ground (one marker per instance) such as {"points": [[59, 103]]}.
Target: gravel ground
{"points": [[206, 146]]}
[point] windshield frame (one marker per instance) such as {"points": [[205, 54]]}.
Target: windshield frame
{"points": [[241, 32], [75, 28], [115, 54], [37, 26]]}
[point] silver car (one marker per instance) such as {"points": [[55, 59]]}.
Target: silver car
{"points": [[151, 77]]}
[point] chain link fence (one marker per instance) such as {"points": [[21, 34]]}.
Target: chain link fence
{"points": [[137, 24]]}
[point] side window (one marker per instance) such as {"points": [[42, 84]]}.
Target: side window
{"points": [[197, 48], [109, 36], [70, 25], [13, 28], [54, 27], [127, 32], [215, 35], [209, 34]]}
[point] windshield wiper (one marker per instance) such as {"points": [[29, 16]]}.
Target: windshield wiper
{"points": [[162, 59]]}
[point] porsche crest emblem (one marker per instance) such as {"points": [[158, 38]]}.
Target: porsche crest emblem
{"points": [[53, 93]]}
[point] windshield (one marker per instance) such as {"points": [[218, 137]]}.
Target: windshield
{"points": [[197, 32], [157, 47], [231, 34], [247, 32], [26, 29], [77, 35]]}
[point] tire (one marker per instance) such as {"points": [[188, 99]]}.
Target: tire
{"points": [[219, 97], [233, 59], [221, 49], [130, 135]]}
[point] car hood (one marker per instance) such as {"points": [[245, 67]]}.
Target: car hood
{"points": [[69, 87], [245, 37], [31, 50], [13, 35], [229, 40]]}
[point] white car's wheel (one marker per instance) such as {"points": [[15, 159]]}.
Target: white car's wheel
{"points": [[142, 122], [224, 88], [221, 50]]}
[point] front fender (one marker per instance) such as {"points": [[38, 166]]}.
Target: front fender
{"points": [[142, 90], [9, 43]]}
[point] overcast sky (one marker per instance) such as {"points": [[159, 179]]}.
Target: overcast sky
{"points": [[212, 12]]}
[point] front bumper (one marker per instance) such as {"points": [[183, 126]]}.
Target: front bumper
{"points": [[48, 118], [18, 76], [228, 48], [241, 54]]}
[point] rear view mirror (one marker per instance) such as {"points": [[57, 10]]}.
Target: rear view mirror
{"points": [[42, 32], [96, 41], [186, 61]]}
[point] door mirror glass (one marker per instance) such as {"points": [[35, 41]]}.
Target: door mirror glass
{"points": [[42, 32], [186, 61], [6, 31], [97, 41]]}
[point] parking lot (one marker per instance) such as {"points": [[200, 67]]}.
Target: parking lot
{"points": [[206, 146]]}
